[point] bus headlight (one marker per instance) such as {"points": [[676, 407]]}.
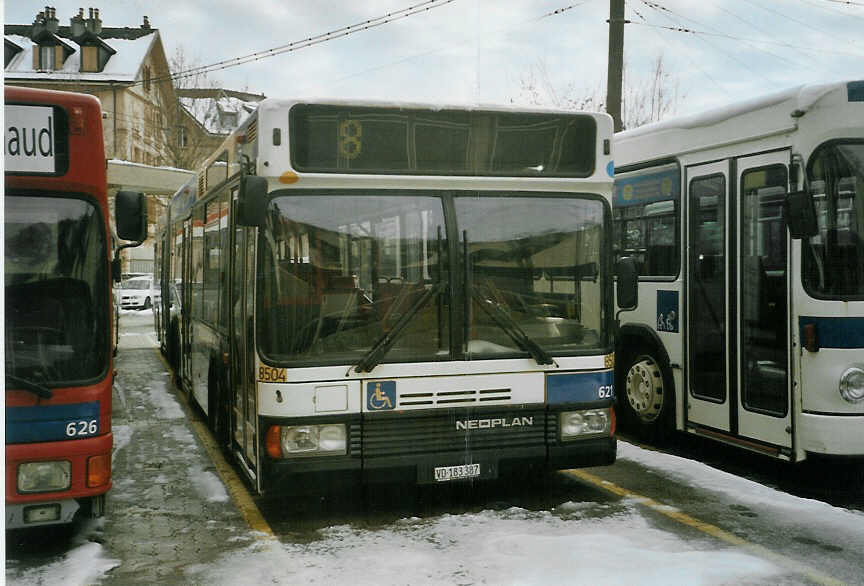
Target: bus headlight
{"points": [[286, 441], [852, 384], [44, 476], [578, 424]]}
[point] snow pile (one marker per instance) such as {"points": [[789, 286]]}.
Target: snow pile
{"points": [[85, 563], [758, 495], [514, 546], [208, 485]]}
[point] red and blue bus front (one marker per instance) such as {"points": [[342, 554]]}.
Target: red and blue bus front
{"points": [[57, 308]]}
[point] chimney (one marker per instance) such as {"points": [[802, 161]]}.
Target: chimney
{"points": [[38, 25], [76, 24], [51, 22], [94, 24], [146, 24]]}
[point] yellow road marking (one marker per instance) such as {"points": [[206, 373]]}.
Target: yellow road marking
{"points": [[709, 529], [242, 500]]}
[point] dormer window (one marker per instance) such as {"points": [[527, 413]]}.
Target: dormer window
{"points": [[47, 58], [50, 52], [95, 52]]}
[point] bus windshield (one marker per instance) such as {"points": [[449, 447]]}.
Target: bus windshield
{"points": [[834, 258], [55, 281], [339, 272], [534, 263]]}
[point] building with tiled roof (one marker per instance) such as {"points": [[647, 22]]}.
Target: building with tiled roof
{"points": [[210, 115], [124, 67], [151, 135]]}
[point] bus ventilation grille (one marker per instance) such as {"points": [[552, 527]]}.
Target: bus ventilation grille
{"points": [[454, 397], [252, 132]]}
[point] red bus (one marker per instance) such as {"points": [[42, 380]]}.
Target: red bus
{"points": [[58, 305]]}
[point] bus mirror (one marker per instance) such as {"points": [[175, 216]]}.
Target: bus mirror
{"points": [[252, 201], [131, 216], [626, 289], [800, 215]]}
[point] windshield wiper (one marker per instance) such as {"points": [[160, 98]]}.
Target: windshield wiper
{"points": [[371, 359], [512, 328], [28, 385], [504, 320]]}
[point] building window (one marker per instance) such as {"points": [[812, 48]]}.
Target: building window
{"points": [[182, 137], [145, 75], [47, 57]]}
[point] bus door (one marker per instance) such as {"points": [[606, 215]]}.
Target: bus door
{"points": [[186, 304], [763, 402], [243, 400], [708, 400]]}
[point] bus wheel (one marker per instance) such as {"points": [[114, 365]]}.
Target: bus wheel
{"points": [[647, 401]]}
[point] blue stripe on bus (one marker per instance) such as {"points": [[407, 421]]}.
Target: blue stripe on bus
{"points": [[835, 332], [582, 387], [46, 423]]}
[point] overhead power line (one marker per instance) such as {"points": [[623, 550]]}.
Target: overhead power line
{"points": [[847, 2], [682, 29], [419, 8], [564, 9], [438, 49]]}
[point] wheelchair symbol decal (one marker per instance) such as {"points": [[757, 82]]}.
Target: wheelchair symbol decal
{"points": [[381, 395]]}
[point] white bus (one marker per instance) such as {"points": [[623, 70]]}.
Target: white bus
{"points": [[374, 292], [746, 332]]}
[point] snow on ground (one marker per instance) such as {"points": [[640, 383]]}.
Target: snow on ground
{"points": [[208, 485], [138, 312], [741, 489], [84, 563], [165, 403], [122, 436], [513, 546]]}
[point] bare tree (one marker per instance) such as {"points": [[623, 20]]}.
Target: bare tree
{"points": [[645, 98], [188, 142]]}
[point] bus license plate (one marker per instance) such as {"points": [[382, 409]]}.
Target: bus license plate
{"points": [[447, 473]]}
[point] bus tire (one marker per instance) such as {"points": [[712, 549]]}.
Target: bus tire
{"points": [[647, 400]]}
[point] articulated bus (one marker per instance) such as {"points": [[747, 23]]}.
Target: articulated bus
{"points": [[403, 293], [58, 306], [747, 225]]}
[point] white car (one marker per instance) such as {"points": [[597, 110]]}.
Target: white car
{"points": [[136, 293]]}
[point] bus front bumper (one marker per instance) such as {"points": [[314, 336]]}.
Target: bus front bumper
{"points": [[337, 473], [832, 435]]}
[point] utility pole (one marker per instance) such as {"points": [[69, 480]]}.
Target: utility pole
{"points": [[615, 71]]}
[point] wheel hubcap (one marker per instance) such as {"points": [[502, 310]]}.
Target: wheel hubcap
{"points": [[644, 387]]}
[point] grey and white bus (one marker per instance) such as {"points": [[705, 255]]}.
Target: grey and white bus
{"points": [[398, 292], [746, 331]]}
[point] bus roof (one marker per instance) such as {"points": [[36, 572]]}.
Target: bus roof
{"points": [[279, 103], [759, 117]]}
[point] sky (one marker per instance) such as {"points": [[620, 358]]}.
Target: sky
{"points": [[490, 51]]}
